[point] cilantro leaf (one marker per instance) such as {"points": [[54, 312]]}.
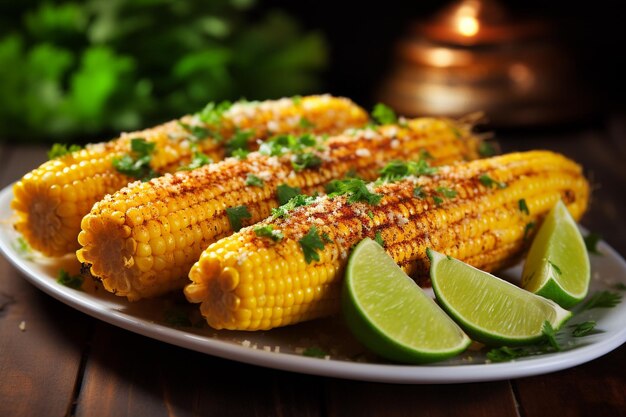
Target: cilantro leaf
{"points": [[522, 206], [396, 170], [505, 354], [253, 180], [296, 201], [529, 226], [23, 248], [269, 232], [198, 159], [550, 335], [384, 114], [236, 215], [281, 144], [305, 123], [446, 192], [314, 352], [310, 244], [489, 182], [306, 160], [486, 149], [72, 281], [240, 153], [136, 164], [286, 193], [213, 113], [195, 132], [583, 329], [591, 243], [378, 238], [239, 141], [60, 149], [356, 190], [602, 299], [418, 192]]}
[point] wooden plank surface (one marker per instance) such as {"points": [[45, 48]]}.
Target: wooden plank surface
{"points": [[42, 340]]}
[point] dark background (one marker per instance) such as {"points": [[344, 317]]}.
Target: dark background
{"points": [[361, 38]]}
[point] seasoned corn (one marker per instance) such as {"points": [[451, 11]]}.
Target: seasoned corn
{"points": [[472, 211], [51, 200], [142, 241]]}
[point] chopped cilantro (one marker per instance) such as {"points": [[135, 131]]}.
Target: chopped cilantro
{"points": [[240, 153], [356, 189], [583, 329], [550, 334], [602, 299], [60, 149], [196, 132], [555, 267], [269, 232], [591, 243], [425, 155], [239, 141], [213, 113], [370, 214], [620, 286], [281, 144], [314, 352], [136, 164], [522, 206], [438, 200], [529, 226], [326, 238], [446, 192], [305, 123], [176, 318], [384, 115], [455, 130], [297, 100], [486, 149], [310, 244], [23, 248], [236, 215], [396, 170], [489, 182], [296, 201], [72, 281], [253, 180], [286, 193], [505, 354], [418, 192], [378, 238], [306, 160], [198, 159]]}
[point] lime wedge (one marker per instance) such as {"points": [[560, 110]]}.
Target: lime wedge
{"points": [[489, 309], [557, 265], [391, 315]]}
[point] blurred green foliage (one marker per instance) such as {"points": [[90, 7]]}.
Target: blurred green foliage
{"points": [[70, 70]]}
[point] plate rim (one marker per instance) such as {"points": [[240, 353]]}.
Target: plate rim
{"points": [[387, 373]]}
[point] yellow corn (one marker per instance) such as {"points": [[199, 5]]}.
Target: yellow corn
{"points": [[51, 200], [142, 241], [470, 211]]}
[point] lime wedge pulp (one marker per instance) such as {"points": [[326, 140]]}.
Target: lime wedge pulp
{"points": [[489, 309], [391, 315], [557, 265]]}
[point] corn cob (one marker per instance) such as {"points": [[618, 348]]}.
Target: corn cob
{"points": [[471, 211], [142, 241], [51, 200]]}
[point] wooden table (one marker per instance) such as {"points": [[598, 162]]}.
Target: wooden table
{"points": [[66, 363]]}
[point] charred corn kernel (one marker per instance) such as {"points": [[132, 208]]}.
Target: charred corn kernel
{"points": [[199, 200], [454, 213], [61, 191]]}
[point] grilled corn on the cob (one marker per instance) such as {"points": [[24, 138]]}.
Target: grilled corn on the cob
{"points": [[472, 211], [51, 200], [142, 241]]}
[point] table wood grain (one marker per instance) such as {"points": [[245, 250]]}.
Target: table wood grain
{"points": [[65, 363]]}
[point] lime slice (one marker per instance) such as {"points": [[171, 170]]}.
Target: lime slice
{"points": [[557, 265], [391, 315], [489, 309]]}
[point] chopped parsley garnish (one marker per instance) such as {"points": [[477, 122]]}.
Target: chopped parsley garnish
{"points": [[550, 334], [136, 164], [72, 281], [446, 192], [396, 170], [602, 299], [281, 144], [486, 149], [505, 354], [455, 130], [522, 206], [296, 201], [418, 192], [310, 244], [489, 182], [286, 193], [297, 100], [591, 243], [213, 113], [326, 238], [305, 160], [239, 141], [23, 248], [254, 181], [378, 238], [529, 226], [384, 114], [314, 352], [305, 123], [196, 132], [177, 318], [198, 159], [240, 153], [438, 200], [269, 232], [236, 215], [370, 214], [356, 190], [425, 155], [583, 329], [60, 149]]}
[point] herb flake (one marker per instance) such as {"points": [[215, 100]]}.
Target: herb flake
{"points": [[384, 114], [311, 243], [591, 243], [71, 281], [254, 181], [523, 207], [583, 329], [489, 182], [136, 164], [355, 188], [269, 232], [297, 201], [60, 149], [284, 193], [236, 215]]}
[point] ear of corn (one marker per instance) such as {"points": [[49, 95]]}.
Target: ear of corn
{"points": [[142, 241], [471, 211], [51, 200]]}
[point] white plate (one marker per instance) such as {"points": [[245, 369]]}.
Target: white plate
{"points": [[281, 348]]}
